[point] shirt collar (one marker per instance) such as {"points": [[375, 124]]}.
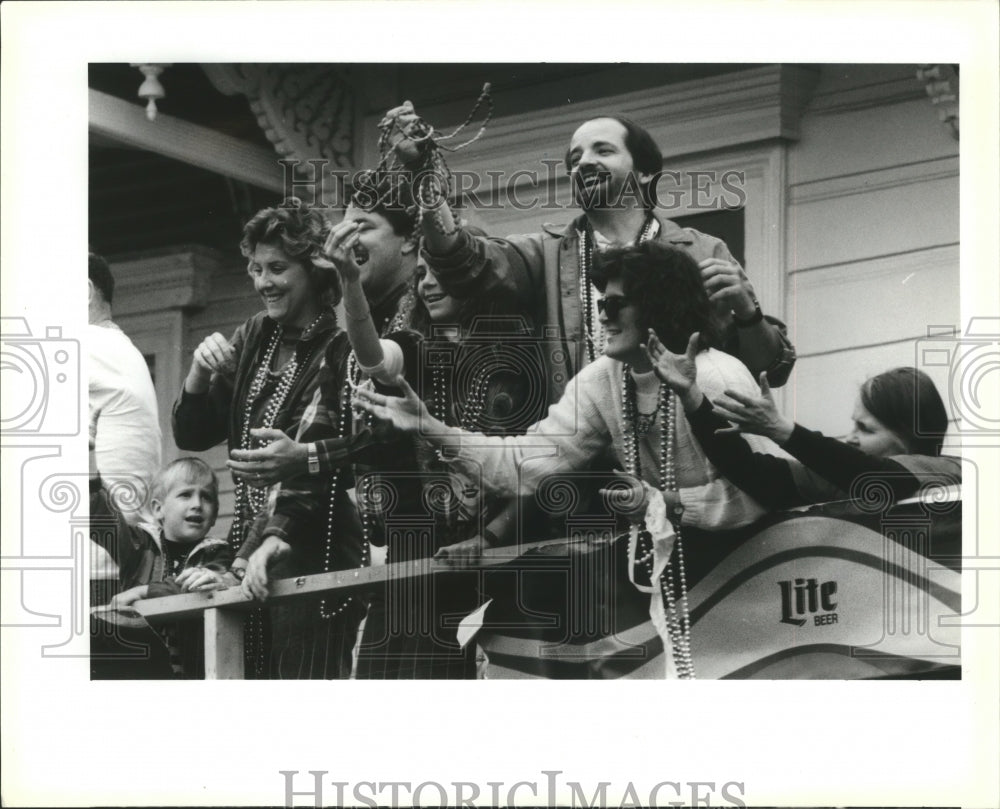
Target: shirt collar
{"points": [[601, 242]]}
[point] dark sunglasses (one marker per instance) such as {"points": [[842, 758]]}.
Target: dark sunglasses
{"points": [[612, 305]]}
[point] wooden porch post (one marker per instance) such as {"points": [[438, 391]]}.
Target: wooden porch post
{"points": [[224, 644]]}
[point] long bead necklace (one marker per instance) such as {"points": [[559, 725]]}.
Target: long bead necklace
{"points": [[676, 608], [432, 179], [251, 499], [591, 326], [331, 529], [470, 411], [354, 377]]}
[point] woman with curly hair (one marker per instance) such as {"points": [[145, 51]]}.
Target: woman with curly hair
{"points": [[617, 403], [261, 380]]}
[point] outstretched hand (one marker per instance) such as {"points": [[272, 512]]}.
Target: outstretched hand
{"points": [[281, 459], [677, 371], [407, 412], [757, 415]]}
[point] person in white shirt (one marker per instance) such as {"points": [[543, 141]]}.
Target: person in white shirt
{"points": [[124, 420]]}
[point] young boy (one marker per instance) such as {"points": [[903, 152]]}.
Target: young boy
{"points": [[172, 554]]}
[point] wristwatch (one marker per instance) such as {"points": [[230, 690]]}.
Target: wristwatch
{"points": [[313, 457], [239, 572]]}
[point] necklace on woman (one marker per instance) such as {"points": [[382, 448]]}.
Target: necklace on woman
{"points": [[251, 499], [675, 607], [591, 325], [364, 489], [469, 413]]}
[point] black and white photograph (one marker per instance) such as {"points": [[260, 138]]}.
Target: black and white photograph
{"points": [[425, 357]]}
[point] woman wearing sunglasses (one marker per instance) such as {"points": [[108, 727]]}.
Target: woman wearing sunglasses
{"points": [[617, 402]]}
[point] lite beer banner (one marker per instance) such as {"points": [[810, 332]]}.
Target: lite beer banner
{"points": [[831, 592]]}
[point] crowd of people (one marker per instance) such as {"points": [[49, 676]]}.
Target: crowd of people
{"points": [[642, 355]]}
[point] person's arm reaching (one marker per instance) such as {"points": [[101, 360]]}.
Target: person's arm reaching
{"points": [[201, 412]]}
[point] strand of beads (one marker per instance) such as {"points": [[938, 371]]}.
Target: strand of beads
{"points": [[425, 161], [251, 499], [352, 377], [591, 328], [587, 294], [677, 612], [248, 498], [680, 618], [475, 403]]}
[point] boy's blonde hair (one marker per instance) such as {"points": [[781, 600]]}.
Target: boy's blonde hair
{"points": [[184, 470]]}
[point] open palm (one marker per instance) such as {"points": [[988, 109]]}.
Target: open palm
{"points": [[407, 412], [677, 371]]}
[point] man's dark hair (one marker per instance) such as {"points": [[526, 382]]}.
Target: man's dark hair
{"points": [[100, 274], [665, 284], [389, 195]]}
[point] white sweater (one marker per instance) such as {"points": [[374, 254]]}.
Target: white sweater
{"points": [[589, 418]]}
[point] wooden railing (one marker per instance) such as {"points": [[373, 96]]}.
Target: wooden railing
{"points": [[224, 611], [907, 558]]}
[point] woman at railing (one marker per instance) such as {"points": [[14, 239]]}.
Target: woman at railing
{"points": [[458, 353], [617, 403], [264, 378], [899, 424]]}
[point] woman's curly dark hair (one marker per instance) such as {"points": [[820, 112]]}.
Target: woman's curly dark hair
{"points": [[300, 231], [665, 284]]}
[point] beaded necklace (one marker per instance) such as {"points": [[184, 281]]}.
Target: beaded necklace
{"points": [[474, 406], [251, 499], [353, 378], [676, 609], [591, 326], [362, 492], [432, 187]]}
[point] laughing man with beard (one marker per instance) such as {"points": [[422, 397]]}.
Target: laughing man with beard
{"points": [[613, 164]]}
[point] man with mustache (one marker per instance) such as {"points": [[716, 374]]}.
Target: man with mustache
{"points": [[613, 164]]}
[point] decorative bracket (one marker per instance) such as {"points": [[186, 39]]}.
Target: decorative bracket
{"points": [[306, 111]]}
